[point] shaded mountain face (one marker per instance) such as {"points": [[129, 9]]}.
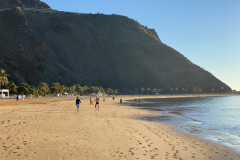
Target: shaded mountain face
{"points": [[23, 3], [38, 45]]}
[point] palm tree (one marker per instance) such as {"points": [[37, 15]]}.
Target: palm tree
{"points": [[177, 90], [182, 90], [101, 89], [159, 90], [148, 89], [92, 89], [3, 78], [142, 89], [154, 90], [43, 88], [56, 88], [12, 87], [195, 89], [116, 91], [78, 89], [86, 89], [72, 89], [109, 91]]}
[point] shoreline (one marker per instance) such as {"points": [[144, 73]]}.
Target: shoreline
{"points": [[213, 136], [54, 130]]}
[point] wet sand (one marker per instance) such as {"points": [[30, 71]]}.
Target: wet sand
{"points": [[53, 129]]}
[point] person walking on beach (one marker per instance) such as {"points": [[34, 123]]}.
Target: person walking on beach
{"points": [[91, 101], [97, 104], [17, 99], [78, 101], [113, 98]]}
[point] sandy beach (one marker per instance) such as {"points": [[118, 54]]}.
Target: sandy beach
{"points": [[52, 129]]}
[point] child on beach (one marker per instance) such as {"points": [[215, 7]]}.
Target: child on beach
{"points": [[78, 101], [91, 102]]}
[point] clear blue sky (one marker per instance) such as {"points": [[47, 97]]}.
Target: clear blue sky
{"points": [[207, 32]]}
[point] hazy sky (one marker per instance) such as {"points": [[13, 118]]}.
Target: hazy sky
{"points": [[207, 32]]}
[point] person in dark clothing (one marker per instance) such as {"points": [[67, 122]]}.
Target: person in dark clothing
{"points": [[78, 101], [97, 104]]}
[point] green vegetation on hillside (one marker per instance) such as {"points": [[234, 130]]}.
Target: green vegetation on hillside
{"points": [[44, 88]]}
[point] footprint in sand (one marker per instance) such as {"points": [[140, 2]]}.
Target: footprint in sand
{"points": [[130, 150]]}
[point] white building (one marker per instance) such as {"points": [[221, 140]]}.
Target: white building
{"points": [[99, 94], [3, 92]]}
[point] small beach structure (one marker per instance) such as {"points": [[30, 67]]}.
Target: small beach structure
{"points": [[99, 94], [2, 93]]}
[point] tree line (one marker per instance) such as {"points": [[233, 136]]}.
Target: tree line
{"points": [[44, 88], [194, 90]]}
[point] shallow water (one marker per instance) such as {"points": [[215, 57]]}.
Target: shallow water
{"points": [[214, 118]]}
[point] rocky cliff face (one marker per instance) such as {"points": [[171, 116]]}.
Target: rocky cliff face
{"points": [[93, 49], [23, 3]]}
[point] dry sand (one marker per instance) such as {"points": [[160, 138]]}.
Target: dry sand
{"points": [[52, 129]]}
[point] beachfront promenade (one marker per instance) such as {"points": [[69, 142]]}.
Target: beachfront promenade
{"points": [[53, 129]]}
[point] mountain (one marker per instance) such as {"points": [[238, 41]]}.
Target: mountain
{"points": [[23, 3], [92, 49]]}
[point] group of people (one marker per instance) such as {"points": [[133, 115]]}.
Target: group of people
{"points": [[78, 101], [96, 104]]}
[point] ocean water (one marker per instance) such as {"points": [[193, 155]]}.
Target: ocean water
{"points": [[216, 119]]}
